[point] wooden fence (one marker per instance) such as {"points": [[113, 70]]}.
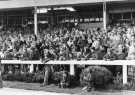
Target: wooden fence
{"points": [[123, 63]]}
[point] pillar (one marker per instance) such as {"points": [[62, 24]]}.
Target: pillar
{"points": [[35, 21], [22, 68], [37, 68], [31, 68], [2, 21], [72, 69], [7, 20], [1, 83], [53, 18], [131, 14], [124, 74], [104, 16], [2, 68]]}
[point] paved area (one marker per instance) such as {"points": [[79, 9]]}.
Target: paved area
{"points": [[12, 91]]}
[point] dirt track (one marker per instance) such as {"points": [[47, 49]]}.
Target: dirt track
{"points": [[12, 91]]}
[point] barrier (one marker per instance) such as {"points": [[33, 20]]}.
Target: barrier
{"points": [[124, 63], [20, 62]]}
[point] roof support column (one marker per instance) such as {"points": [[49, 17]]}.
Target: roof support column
{"points": [[35, 21], [124, 71], [72, 69], [104, 16], [7, 17], [2, 20], [132, 21], [1, 83]]}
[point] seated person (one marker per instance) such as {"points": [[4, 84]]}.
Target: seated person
{"points": [[86, 53], [109, 55], [131, 52], [98, 53], [121, 55]]}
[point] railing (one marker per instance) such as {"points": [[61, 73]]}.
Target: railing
{"points": [[20, 62], [123, 63]]}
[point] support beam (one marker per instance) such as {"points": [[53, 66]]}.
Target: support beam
{"points": [[21, 68], [37, 68], [2, 20], [124, 74], [122, 16], [104, 16], [131, 16], [132, 21], [1, 83], [35, 21], [52, 17], [7, 19], [31, 68], [2, 68], [72, 69]]}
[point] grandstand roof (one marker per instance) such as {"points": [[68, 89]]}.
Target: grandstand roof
{"points": [[7, 4]]}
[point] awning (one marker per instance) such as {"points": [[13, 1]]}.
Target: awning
{"points": [[7, 4]]}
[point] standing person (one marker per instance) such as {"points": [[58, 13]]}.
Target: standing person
{"points": [[47, 73], [131, 49], [48, 69]]}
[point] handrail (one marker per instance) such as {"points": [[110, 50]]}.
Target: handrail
{"points": [[85, 62], [21, 62]]}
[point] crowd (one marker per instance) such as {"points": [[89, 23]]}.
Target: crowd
{"points": [[61, 43]]}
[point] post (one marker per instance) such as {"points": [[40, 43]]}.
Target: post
{"points": [[37, 68], [132, 18], [52, 17], [72, 69], [7, 20], [2, 68], [1, 83], [122, 16], [31, 68], [124, 74], [2, 21], [35, 21], [104, 16], [22, 68]]}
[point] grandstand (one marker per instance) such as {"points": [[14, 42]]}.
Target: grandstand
{"points": [[20, 12], [39, 15]]}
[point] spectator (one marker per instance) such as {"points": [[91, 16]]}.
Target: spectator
{"points": [[62, 43], [109, 55]]}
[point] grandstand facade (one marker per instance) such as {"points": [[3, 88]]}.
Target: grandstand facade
{"points": [[14, 12]]}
